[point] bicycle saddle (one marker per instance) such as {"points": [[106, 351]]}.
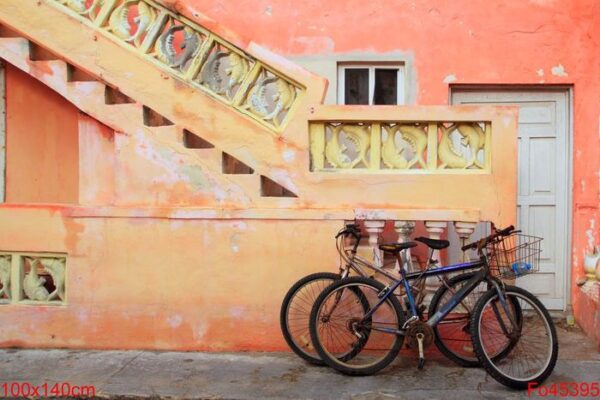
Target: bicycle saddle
{"points": [[396, 247], [433, 243]]}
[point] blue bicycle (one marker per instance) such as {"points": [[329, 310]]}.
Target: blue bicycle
{"points": [[512, 333]]}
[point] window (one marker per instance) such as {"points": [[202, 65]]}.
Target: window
{"points": [[371, 84]]}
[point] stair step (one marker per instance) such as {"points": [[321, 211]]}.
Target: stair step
{"points": [[95, 89], [78, 75], [38, 53], [193, 141], [170, 132], [55, 68], [6, 32], [270, 188], [114, 96], [18, 46], [232, 165], [132, 113], [152, 118]]}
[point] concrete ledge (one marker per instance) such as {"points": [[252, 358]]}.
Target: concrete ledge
{"points": [[466, 215]]}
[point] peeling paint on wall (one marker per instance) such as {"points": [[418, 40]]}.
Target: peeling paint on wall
{"points": [[450, 78], [559, 70]]}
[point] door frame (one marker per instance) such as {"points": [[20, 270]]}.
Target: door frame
{"points": [[568, 91]]}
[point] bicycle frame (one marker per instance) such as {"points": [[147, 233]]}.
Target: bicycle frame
{"points": [[405, 278], [469, 286]]}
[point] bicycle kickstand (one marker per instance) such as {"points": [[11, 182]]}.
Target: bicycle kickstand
{"points": [[420, 339]]}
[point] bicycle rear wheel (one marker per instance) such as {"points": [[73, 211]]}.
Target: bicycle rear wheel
{"points": [[295, 313], [531, 339], [345, 338]]}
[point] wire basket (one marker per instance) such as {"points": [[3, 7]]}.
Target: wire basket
{"points": [[515, 255]]}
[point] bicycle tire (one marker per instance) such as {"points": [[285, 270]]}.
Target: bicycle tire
{"points": [[301, 346], [340, 364], [468, 359], [489, 364]]}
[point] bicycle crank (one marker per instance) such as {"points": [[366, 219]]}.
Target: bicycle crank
{"points": [[419, 336]]}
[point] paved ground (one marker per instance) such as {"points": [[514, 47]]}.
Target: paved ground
{"points": [[145, 374]]}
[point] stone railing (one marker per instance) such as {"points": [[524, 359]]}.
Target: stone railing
{"points": [[458, 160], [405, 232], [194, 55], [401, 146]]}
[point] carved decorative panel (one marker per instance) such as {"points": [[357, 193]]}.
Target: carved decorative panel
{"points": [[224, 71], [88, 9], [270, 97], [41, 278], [461, 146], [400, 146], [347, 145], [192, 54], [404, 146], [131, 21], [5, 277]]}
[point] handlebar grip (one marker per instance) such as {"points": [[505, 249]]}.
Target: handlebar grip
{"points": [[506, 231], [469, 246], [350, 229], [501, 232]]}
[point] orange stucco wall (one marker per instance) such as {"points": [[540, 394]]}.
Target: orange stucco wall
{"points": [[42, 143], [163, 284]]}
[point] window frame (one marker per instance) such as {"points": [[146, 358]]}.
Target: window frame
{"points": [[372, 66]]}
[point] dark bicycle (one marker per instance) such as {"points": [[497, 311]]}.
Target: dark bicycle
{"points": [[512, 333]]}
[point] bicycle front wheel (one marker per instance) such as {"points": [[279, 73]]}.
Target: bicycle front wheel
{"points": [[530, 338], [353, 330]]}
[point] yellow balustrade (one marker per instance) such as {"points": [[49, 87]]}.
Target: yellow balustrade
{"points": [[194, 55], [401, 146]]}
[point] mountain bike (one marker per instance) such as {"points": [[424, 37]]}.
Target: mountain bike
{"points": [[452, 335], [513, 336]]}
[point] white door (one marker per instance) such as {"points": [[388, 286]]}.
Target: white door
{"points": [[544, 176]]}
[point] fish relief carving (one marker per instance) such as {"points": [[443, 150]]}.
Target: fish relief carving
{"points": [[238, 69], [474, 138], [358, 135], [447, 154], [80, 7], [417, 138], [257, 97], [118, 23], [211, 75], [166, 46], [283, 98], [5, 276], [56, 269], [33, 285], [145, 18], [391, 156]]}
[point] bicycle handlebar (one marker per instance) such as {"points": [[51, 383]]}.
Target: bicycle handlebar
{"points": [[484, 241], [350, 229]]}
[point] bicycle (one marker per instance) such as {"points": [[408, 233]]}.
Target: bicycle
{"points": [[502, 312], [452, 336]]}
